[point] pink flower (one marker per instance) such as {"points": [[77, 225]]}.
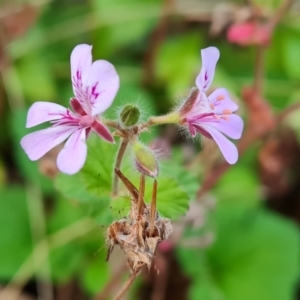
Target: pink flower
{"points": [[249, 33], [95, 86], [212, 116]]}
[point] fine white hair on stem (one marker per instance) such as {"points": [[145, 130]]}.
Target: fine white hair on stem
{"points": [[179, 101], [139, 103], [184, 132]]}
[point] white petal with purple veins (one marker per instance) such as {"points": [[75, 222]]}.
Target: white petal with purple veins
{"points": [[221, 101], [102, 85], [38, 143], [227, 148], [72, 157], [233, 127], [41, 112], [81, 62], [210, 57]]}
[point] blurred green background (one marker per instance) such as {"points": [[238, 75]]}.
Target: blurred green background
{"points": [[242, 240]]}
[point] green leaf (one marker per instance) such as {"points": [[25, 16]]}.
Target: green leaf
{"points": [[262, 250], [255, 256], [98, 173], [15, 238], [36, 87], [66, 261], [172, 199], [73, 187], [291, 44], [178, 62], [138, 17], [95, 272], [98, 170], [93, 205], [187, 180], [232, 186]]}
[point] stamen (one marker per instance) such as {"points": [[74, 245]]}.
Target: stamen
{"points": [[225, 117], [227, 112], [217, 117], [221, 97], [212, 106]]}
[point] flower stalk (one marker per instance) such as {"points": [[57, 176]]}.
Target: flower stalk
{"points": [[173, 117], [119, 159]]}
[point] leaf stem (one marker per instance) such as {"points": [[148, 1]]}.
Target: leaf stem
{"points": [[259, 70], [119, 159], [141, 203], [153, 208], [279, 14]]}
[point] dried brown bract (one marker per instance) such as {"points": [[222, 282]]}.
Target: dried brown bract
{"points": [[140, 232]]}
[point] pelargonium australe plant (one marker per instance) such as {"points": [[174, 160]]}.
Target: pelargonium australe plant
{"points": [[95, 85]]}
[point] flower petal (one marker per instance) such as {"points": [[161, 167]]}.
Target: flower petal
{"points": [[102, 85], [41, 112], [203, 105], [222, 101], [101, 130], [233, 127], [210, 57], [72, 157], [200, 108], [227, 148], [81, 62], [38, 143]]}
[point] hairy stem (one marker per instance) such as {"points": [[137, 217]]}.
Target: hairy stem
{"points": [[126, 286], [172, 117], [119, 159]]}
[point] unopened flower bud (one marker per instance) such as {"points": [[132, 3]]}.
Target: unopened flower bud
{"points": [[145, 160], [130, 115]]}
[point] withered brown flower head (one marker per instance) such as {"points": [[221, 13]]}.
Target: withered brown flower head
{"points": [[140, 232]]}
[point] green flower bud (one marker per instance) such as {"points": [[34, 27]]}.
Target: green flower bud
{"points": [[145, 160], [130, 115]]}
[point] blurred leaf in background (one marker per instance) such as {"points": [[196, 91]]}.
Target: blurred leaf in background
{"points": [[255, 256]]}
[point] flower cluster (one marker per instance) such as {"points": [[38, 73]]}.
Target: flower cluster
{"points": [[95, 85]]}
